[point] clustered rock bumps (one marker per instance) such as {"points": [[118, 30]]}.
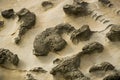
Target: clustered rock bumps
{"points": [[51, 40], [27, 20], [6, 56], [82, 34], [78, 8], [114, 76]]}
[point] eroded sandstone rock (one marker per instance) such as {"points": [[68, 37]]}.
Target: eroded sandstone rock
{"points": [[79, 8], [8, 13], [106, 3], [27, 20], [69, 69], [29, 77], [51, 40], [38, 69], [93, 47], [47, 4], [114, 33], [82, 34], [104, 66], [114, 76], [1, 23], [6, 56]]}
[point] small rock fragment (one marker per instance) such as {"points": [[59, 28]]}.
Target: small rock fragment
{"points": [[38, 69], [29, 77], [7, 56], [114, 76], [93, 47], [1, 23], [106, 3], [27, 20], [47, 4], [8, 13], [114, 33], [77, 9], [104, 66], [51, 39], [82, 34]]}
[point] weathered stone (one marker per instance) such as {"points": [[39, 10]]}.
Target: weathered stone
{"points": [[114, 76], [51, 40], [29, 77], [1, 23], [106, 3], [8, 13], [7, 56], [69, 68], [27, 20], [47, 4], [82, 34], [38, 69], [114, 33], [104, 66], [77, 9], [93, 47]]}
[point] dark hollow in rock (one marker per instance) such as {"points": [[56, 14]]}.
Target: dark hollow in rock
{"points": [[27, 20], [92, 48], [6, 56], [106, 3], [47, 4], [51, 40], [77, 9], [38, 69], [82, 34], [1, 23], [69, 69], [104, 66], [114, 33], [29, 77], [114, 76], [8, 13]]}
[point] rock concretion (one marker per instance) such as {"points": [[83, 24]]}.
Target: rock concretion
{"points": [[6, 56], [69, 69], [82, 34], [104, 66], [51, 39], [114, 33], [92, 48], [78, 8], [27, 20], [8, 13]]}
